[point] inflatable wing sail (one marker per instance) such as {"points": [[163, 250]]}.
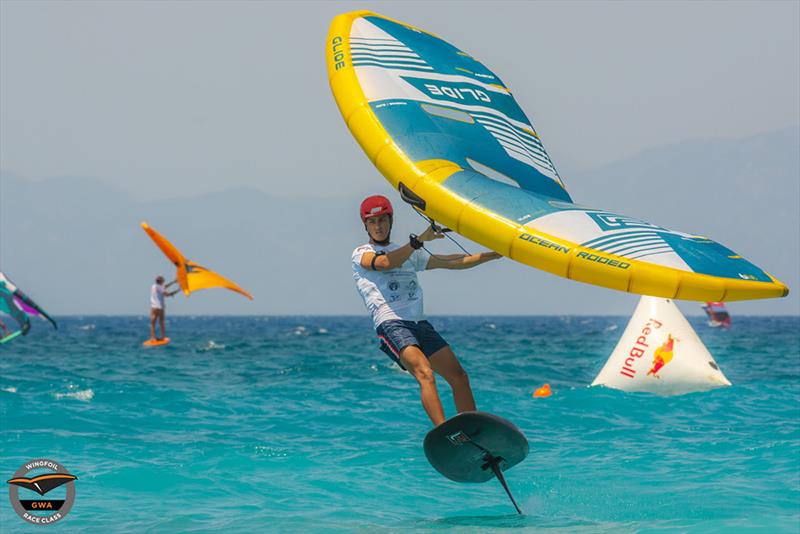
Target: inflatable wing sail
{"points": [[191, 276], [19, 306], [659, 352], [448, 134]]}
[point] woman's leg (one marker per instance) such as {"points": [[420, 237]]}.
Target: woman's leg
{"points": [[417, 364], [444, 362]]}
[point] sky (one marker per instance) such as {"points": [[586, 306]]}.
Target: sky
{"points": [[175, 98], [165, 100]]}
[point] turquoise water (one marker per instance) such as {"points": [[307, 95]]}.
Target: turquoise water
{"points": [[300, 424]]}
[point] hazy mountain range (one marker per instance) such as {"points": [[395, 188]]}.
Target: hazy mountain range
{"points": [[74, 243]]}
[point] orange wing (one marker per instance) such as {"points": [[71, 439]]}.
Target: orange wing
{"points": [[191, 276], [198, 277]]}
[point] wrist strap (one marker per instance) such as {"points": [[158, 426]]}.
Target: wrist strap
{"points": [[415, 243]]}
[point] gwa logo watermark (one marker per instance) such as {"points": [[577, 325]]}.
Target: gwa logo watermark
{"points": [[42, 476]]}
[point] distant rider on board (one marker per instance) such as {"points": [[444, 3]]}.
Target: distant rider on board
{"points": [[386, 276], [157, 293]]}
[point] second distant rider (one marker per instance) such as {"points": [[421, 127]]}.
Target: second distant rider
{"points": [[157, 293]]}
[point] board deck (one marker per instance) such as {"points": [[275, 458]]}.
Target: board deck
{"points": [[156, 342], [461, 447]]}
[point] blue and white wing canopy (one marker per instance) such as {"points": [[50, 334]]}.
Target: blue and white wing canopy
{"points": [[447, 132]]}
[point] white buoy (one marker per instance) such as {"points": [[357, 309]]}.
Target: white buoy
{"points": [[659, 352]]}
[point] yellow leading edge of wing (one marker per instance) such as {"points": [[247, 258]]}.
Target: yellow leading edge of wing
{"points": [[494, 231]]}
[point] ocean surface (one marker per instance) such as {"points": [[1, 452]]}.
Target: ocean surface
{"points": [[300, 424]]}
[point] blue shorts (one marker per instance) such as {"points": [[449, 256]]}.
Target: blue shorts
{"points": [[396, 335]]}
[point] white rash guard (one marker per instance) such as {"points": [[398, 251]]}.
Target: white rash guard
{"points": [[394, 294]]}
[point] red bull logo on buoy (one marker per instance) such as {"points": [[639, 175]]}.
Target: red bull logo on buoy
{"points": [[662, 355], [639, 347]]}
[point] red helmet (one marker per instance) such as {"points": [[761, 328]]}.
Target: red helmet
{"points": [[374, 206]]}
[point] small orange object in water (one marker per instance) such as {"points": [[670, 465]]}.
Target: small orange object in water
{"points": [[543, 391]]}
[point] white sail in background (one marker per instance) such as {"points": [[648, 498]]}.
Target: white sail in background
{"points": [[659, 352]]}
